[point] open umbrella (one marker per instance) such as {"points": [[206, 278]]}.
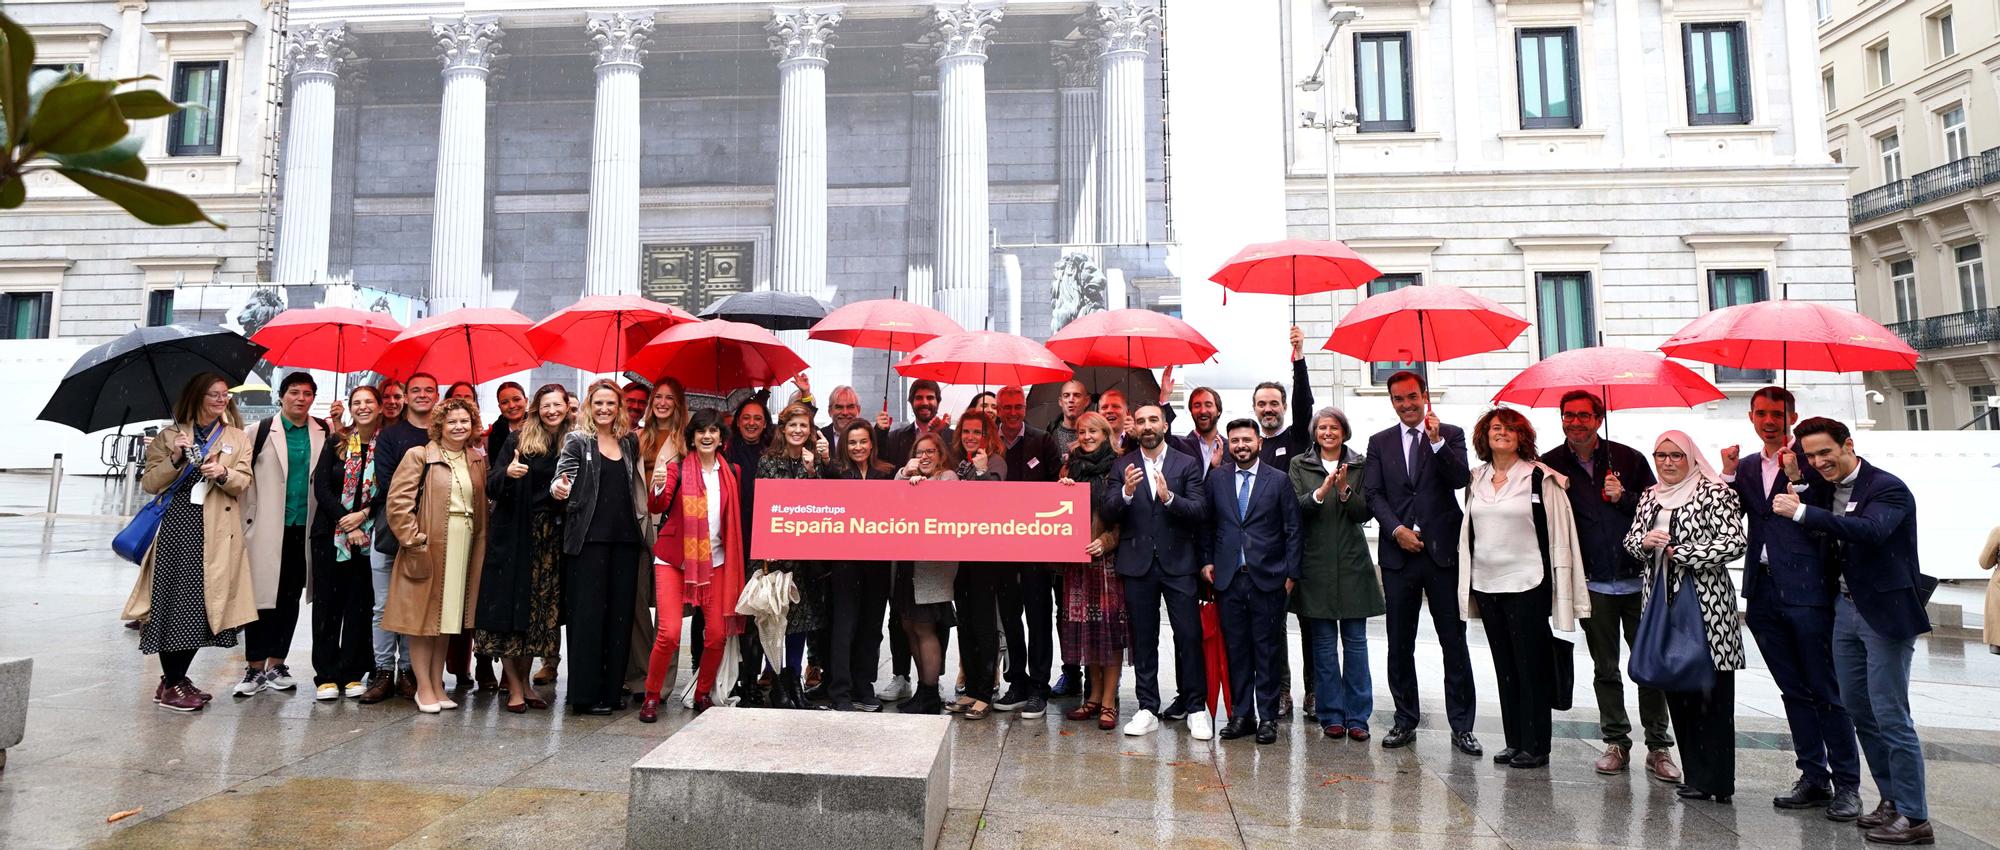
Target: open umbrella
{"points": [[336, 339], [986, 358], [1791, 335], [1130, 337], [768, 308], [1424, 324], [890, 324], [137, 377], [717, 356], [476, 344], [600, 333], [1294, 267], [1624, 379]]}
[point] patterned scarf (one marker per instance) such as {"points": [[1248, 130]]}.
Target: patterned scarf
{"points": [[727, 583], [357, 487]]}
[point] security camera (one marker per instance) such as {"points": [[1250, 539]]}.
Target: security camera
{"points": [[1349, 117], [1308, 119], [1876, 397], [1341, 16]]}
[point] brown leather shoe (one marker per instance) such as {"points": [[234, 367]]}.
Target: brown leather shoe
{"points": [[1902, 831], [1613, 761], [1884, 812], [381, 686], [406, 684], [547, 675], [1660, 765]]}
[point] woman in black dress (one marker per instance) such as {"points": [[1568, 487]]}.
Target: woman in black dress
{"points": [[857, 592], [520, 593]]}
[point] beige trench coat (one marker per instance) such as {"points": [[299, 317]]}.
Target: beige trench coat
{"points": [[264, 510], [226, 583], [416, 584], [1989, 557]]}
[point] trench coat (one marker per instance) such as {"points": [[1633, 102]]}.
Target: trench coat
{"points": [[226, 585], [416, 584], [264, 510]]}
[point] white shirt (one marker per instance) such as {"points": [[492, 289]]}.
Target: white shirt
{"points": [[1210, 448], [1403, 436], [1155, 466], [1506, 557], [711, 484], [1799, 514]]}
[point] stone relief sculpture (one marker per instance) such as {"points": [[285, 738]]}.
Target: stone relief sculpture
{"points": [[1078, 289]]}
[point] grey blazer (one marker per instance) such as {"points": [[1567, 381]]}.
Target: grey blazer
{"points": [[579, 460]]}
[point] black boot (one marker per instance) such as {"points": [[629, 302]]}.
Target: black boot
{"points": [[784, 690]]}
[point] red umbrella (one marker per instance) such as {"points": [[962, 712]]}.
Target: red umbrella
{"points": [[1215, 656], [984, 357], [1623, 378], [1424, 324], [1294, 267], [476, 344], [599, 333], [337, 339], [717, 356], [1135, 338], [1791, 335], [889, 324]]}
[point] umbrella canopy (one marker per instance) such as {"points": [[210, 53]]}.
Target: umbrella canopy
{"points": [[1791, 335], [768, 598], [1623, 378], [885, 323], [337, 339], [1424, 324], [984, 357], [768, 308], [1140, 387], [600, 333], [138, 376], [476, 344], [717, 356], [1140, 338], [1294, 267]]}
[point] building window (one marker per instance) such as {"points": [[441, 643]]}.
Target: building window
{"points": [[1943, 39], [1825, 10], [160, 307], [1718, 78], [1382, 82], [60, 67], [1379, 372], [1566, 318], [1971, 276], [1879, 73], [1546, 64], [197, 131], [1916, 410], [1903, 284], [1826, 90], [1889, 148], [26, 314], [1728, 288], [1957, 141], [1985, 416]]}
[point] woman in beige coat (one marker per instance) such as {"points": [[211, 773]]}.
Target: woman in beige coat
{"points": [[437, 510], [194, 588], [1989, 556]]}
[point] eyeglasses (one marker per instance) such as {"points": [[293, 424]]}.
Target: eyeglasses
{"points": [[1676, 457], [221, 396], [1573, 416], [927, 452]]}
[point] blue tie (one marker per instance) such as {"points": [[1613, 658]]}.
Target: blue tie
{"points": [[1243, 495]]}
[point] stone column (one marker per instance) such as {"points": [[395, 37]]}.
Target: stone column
{"points": [[1076, 154], [963, 245], [612, 265], [131, 37], [801, 36], [314, 52], [1125, 32], [920, 216], [466, 45]]}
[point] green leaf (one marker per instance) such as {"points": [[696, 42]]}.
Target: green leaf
{"points": [[140, 104], [148, 203], [121, 158], [39, 84], [17, 63], [13, 192], [77, 115]]}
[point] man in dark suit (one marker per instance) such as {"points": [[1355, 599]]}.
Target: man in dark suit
{"points": [[1205, 443], [1871, 520], [844, 406], [1029, 596], [1415, 467], [896, 442], [1251, 554], [1789, 590], [1161, 509]]}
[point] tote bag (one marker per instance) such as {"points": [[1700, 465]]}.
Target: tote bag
{"points": [[136, 540], [1671, 650]]}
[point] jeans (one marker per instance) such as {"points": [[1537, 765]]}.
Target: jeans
{"points": [[1611, 619], [389, 646], [1339, 653], [1874, 676]]}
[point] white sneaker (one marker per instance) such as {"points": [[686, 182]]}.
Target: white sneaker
{"points": [[280, 677], [899, 688], [328, 691], [354, 690], [1143, 723], [1201, 726], [253, 681]]}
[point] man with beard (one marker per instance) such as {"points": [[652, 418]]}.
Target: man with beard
{"points": [[413, 430], [924, 398], [1251, 554], [1161, 508], [1414, 468], [1030, 595], [1284, 441], [1205, 442]]}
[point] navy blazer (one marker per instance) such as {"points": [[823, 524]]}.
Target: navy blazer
{"points": [[1148, 530], [1800, 574], [1423, 501], [1033, 457], [1268, 535], [1877, 534]]}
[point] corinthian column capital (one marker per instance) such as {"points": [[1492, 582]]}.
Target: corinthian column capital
{"points": [[620, 37], [961, 28], [1126, 25], [1075, 63], [803, 32], [467, 42], [317, 49]]}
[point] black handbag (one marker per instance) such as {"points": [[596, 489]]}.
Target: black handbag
{"points": [[1562, 667]]}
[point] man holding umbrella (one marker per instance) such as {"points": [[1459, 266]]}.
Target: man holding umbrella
{"points": [[1281, 441]]}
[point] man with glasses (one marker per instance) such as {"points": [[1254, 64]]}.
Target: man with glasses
{"points": [[1606, 479], [1028, 597]]}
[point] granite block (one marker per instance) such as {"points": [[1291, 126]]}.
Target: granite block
{"points": [[14, 675]]}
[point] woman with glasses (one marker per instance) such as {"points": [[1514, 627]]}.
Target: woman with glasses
{"points": [[922, 592]]}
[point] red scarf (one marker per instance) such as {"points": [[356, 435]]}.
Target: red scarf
{"points": [[684, 535]]}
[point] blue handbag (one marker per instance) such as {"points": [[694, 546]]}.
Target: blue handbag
{"points": [[1670, 651], [136, 540]]}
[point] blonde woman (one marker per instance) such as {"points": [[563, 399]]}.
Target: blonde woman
{"points": [[437, 510], [604, 526], [520, 600]]}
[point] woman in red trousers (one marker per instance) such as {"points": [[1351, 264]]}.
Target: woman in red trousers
{"points": [[701, 556]]}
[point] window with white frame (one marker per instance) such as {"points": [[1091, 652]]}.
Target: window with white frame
{"points": [[1826, 90], [1985, 415], [1944, 42], [1879, 71], [1889, 149], [1379, 372], [1382, 82], [1957, 140], [1825, 11], [1718, 73], [1903, 287], [1916, 410], [1564, 311], [1971, 276]]}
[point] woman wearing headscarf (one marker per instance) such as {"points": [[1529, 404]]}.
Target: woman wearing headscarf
{"points": [[1691, 522]]}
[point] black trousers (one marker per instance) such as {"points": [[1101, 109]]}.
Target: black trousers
{"points": [[599, 586], [857, 594], [975, 597], [270, 635], [1306, 670], [1253, 626], [343, 647], [1143, 596], [1406, 589], [1517, 630], [1028, 596], [1705, 723]]}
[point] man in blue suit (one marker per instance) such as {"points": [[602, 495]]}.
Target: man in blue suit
{"points": [[1414, 469], [1251, 554], [1789, 589], [1161, 509], [1871, 520]]}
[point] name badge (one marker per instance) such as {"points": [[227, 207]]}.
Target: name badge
{"points": [[1849, 509], [1034, 462], [1280, 452], [1534, 498]]}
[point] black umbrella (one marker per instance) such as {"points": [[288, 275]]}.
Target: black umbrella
{"points": [[137, 377], [1139, 386], [769, 309]]}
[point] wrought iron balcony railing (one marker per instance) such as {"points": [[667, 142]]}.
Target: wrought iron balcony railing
{"points": [[1951, 330]]}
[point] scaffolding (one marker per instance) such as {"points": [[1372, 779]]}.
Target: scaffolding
{"points": [[276, 32]]}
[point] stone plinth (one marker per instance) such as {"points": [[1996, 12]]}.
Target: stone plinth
{"points": [[763, 778], [14, 674]]}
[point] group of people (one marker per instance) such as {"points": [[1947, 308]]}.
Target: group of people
{"points": [[582, 515]]}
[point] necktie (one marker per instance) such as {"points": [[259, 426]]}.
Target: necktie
{"points": [[1242, 494], [1410, 455]]}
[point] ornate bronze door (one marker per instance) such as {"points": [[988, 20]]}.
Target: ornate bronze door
{"points": [[692, 277]]}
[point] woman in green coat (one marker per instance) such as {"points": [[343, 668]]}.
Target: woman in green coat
{"points": [[1339, 590]]}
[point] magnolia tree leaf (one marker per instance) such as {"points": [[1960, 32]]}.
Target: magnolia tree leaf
{"points": [[121, 158], [76, 115], [17, 64], [148, 203], [12, 192], [140, 104]]}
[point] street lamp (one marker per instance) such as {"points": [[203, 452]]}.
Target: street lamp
{"points": [[1335, 118]]}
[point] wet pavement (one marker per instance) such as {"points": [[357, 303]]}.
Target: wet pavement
{"points": [[282, 770]]}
